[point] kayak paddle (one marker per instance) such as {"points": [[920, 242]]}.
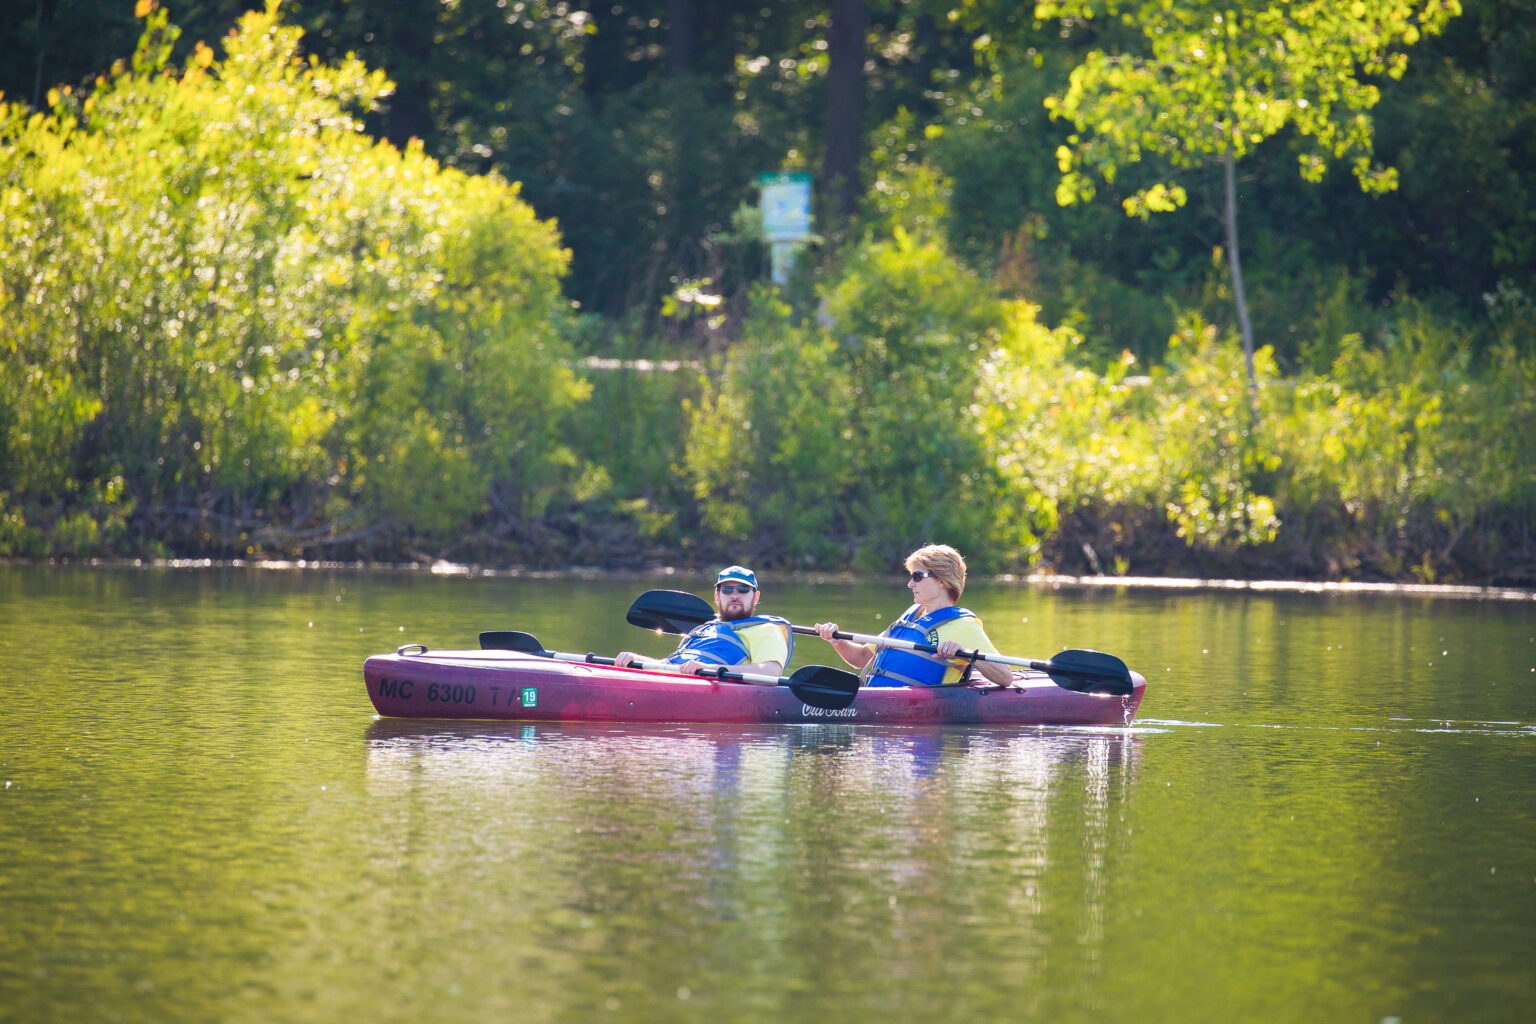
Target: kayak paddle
{"points": [[674, 611], [820, 686], [669, 611]]}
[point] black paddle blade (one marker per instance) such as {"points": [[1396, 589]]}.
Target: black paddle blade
{"points": [[1090, 672], [830, 689], [511, 640], [669, 611]]}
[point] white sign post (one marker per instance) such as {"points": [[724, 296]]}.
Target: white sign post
{"points": [[786, 217]]}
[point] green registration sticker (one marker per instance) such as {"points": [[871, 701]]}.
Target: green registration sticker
{"points": [[530, 697]]}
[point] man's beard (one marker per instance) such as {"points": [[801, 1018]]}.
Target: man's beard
{"points": [[730, 616]]}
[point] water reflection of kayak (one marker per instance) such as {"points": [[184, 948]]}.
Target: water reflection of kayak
{"points": [[517, 686], [708, 756]]}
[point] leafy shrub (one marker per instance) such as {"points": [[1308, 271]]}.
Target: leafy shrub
{"points": [[269, 330], [1402, 450], [767, 450], [1109, 447], [857, 440]]}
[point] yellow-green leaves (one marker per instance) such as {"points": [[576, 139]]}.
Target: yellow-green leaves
{"points": [[1214, 77], [1157, 199]]}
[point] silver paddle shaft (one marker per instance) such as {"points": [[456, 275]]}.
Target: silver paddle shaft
{"points": [[719, 672], [908, 645]]}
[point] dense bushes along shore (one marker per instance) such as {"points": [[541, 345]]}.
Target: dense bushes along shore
{"points": [[233, 324]]}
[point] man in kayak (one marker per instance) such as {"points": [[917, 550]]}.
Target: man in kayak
{"points": [[737, 636], [936, 577]]}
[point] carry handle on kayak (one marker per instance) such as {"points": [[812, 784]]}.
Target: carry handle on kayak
{"points": [[676, 611], [820, 686]]}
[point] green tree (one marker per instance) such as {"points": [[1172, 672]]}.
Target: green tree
{"points": [[1215, 78], [228, 313]]}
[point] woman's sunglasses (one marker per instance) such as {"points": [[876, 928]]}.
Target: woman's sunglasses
{"points": [[734, 588], [918, 575]]}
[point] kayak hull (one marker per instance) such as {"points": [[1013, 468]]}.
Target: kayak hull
{"points": [[516, 686]]}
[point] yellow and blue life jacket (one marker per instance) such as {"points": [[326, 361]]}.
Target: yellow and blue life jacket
{"points": [[718, 643], [893, 666]]}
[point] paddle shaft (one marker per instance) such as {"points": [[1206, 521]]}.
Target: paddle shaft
{"points": [[717, 672], [819, 686], [909, 645]]}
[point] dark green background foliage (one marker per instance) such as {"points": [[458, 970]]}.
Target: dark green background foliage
{"points": [[329, 318]]}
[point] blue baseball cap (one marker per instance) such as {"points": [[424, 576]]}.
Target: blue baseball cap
{"points": [[739, 573]]}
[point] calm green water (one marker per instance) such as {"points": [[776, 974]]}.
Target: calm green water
{"points": [[1326, 812]]}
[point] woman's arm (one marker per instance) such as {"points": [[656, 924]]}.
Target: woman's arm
{"points": [[855, 654]]}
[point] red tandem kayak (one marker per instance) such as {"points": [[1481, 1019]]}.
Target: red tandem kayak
{"points": [[518, 686]]}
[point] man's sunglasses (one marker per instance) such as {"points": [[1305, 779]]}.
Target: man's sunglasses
{"points": [[734, 588], [918, 575]]}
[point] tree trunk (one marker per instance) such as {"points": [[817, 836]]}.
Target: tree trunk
{"points": [[845, 108], [1236, 263], [682, 37], [603, 55], [409, 36], [42, 54]]}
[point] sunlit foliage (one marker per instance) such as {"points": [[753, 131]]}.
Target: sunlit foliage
{"points": [[230, 316], [924, 408], [232, 322], [1219, 77]]}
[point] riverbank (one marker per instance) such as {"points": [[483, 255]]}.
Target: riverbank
{"points": [[690, 578]]}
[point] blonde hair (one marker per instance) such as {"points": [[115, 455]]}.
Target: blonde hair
{"points": [[944, 562]]}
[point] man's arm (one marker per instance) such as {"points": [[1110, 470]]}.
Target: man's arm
{"points": [[767, 646]]}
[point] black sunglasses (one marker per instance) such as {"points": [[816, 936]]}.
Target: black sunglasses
{"points": [[734, 588], [918, 575]]}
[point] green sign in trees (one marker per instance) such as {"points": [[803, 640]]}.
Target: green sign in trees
{"points": [[1211, 80], [786, 217]]}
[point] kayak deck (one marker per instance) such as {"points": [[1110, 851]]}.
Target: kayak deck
{"points": [[516, 686]]}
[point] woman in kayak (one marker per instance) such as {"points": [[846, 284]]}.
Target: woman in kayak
{"points": [[936, 577]]}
